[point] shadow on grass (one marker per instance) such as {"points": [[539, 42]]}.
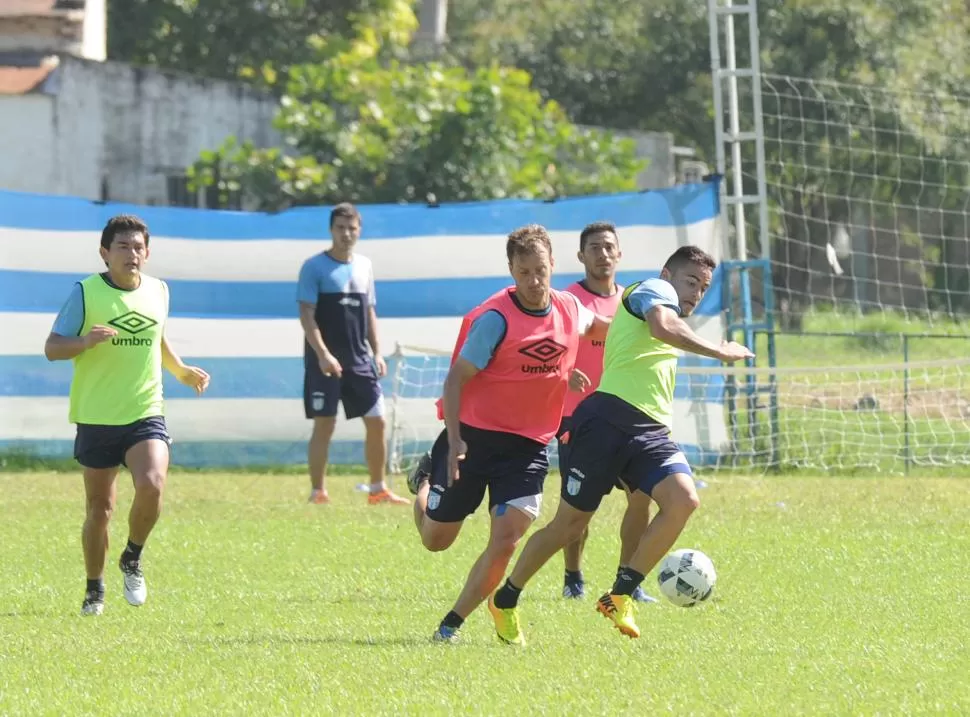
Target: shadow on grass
{"points": [[345, 640]]}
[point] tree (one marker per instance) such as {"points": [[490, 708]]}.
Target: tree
{"points": [[364, 126], [644, 64], [234, 39], [626, 64]]}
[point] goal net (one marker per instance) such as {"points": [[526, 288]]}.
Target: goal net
{"points": [[863, 418], [869, 200]]}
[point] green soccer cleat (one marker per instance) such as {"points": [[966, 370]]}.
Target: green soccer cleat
{"points": [[506, 624]]}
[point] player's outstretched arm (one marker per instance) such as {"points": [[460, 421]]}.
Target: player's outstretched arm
{"points": [[191, 376], [666, 326]]}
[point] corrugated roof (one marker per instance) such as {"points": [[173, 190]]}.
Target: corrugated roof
{"points": [[27, 7]]}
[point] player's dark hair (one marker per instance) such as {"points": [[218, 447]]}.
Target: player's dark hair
{"points": [[689, 255], [122, 224], [345, 210], [528, 240], [597, 228]]}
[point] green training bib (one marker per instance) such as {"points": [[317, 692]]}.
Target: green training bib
{"points": [[638, 368], [119, 381]]}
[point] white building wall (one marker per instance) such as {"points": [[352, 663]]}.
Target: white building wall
{"points": [[26, 143], [123, 126]]}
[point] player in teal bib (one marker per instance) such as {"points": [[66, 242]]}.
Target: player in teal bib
{"points": [[113, 329], [621, 434]]}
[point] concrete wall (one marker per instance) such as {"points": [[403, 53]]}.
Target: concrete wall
{"points": [[26, 130], [122, 127]]}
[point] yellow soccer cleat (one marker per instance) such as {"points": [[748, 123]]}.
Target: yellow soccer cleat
{"points": [[619, 608], [506, 624]]}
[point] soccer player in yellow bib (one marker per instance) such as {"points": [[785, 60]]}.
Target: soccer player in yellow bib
{"points": [[112, 327], [620, 434]]}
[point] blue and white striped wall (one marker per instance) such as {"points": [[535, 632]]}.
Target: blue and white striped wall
{"points": [[233, 310]]}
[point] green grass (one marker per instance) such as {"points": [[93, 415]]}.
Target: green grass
{"points": [[835, 596]]}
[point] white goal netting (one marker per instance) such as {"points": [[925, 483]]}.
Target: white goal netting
{"points": [[881, 419], [869, 198]]}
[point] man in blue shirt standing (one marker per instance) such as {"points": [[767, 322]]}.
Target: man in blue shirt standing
{"points": [[341, 359]]}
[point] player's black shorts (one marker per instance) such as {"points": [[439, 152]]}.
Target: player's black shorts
{"points": [[563, 443], [97, 446], [603, 456], [360, 394], [513, 469]]}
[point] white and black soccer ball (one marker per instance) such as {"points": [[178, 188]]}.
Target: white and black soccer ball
{"points": [[686, 577]]}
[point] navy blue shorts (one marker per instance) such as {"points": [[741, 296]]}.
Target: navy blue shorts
{"points": [[603, 456], [97, 446], [513, 469], [361, 395], [563, 443]]}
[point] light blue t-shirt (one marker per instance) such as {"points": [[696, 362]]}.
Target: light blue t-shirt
{"points": [[483, 338], [70, 319], [342, 294], [652, 293], [321, 274]]}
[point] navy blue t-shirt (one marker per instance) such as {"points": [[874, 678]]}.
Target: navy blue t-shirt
{"points": [[342, 293]]}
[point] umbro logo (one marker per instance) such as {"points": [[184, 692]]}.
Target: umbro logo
{"points": [[544, 350], [133, 322]]}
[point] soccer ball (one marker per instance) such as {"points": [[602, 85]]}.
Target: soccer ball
{"points": [[686, 577]]}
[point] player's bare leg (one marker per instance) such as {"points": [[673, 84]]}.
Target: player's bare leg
{"points": [[574, 586], [635, 521], [508, 525], [375, 451], [676, 500], [567, 525], [100, 492], [435, 536], [318, 454], [148, 463]]}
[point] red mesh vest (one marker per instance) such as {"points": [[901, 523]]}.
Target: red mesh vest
{"points": [[589, 357], [523, 388]]}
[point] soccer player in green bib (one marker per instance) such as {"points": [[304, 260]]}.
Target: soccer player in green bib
{"points": [[112, 327], [620, 435]]}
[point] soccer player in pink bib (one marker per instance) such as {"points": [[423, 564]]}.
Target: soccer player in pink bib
{"points": [[599, 253], [621, 434], [502, 404]]}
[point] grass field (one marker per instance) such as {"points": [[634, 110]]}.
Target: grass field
{"points": [[835, 596]]}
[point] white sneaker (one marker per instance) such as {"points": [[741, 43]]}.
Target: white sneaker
{"points": [[136, 592], [93, 604]]}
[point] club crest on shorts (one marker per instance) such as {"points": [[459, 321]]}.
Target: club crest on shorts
{"points": [[316, 400], [434, 500], [574, 482]]}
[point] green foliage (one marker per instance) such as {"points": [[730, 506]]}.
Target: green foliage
{"points": [[364, 126], [627, 64], [231, 39], [645, 64]]}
